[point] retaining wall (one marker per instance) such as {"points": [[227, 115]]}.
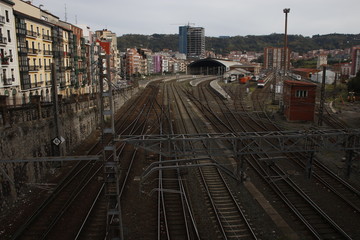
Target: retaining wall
{"points": [[27, 132]]}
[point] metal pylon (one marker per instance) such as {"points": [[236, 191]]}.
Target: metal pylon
{"points": [[111, 160]]}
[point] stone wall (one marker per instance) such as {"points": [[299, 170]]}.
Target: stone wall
{"points": [[27, 132]]}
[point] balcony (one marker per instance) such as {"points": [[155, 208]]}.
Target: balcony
{"points": [[67, 54], [32, 34], [33, 68], [37, 84], [8, 81], [46, 38], [62, 84], [47, 68], [3, 40], [4, 61], [47, 52], [33, 51], [2, 20]]}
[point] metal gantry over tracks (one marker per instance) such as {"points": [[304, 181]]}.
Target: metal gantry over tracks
{"points": [[244, 143]]}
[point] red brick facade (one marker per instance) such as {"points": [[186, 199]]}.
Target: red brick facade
{"points": [[299, 100]]}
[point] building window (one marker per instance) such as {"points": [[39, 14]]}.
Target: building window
{"points": [[7, 16], [9, 35], [301, 93], [11, 56]]}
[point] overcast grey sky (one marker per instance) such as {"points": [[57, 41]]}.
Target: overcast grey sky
{"points": [[218, 17]]}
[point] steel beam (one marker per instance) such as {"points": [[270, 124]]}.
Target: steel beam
{"points": [[218, 144], [53, 159]]}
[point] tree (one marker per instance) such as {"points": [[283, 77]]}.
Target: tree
{"points": [[260, 59], [354, 84]]}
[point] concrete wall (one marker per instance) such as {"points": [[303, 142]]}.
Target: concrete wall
{"points": [[27, 133]]}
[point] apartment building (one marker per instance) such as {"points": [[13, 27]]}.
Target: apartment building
{"points": [[132, 61], [92, 50], [192, 41], [274, 58], [36, 45], [321, 60], [165, 64], [9, 71], [355, 59], [34, 39], [157, 63], [80, 82], [115, 60]]}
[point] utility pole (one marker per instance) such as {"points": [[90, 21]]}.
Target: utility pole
{"points": [[322, 97], [58, 139], [110, 156], [286, 11]]}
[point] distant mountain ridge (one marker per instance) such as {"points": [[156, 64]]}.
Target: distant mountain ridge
{"points": [[223, 45]]}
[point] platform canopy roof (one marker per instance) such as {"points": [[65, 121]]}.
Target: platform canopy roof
{"points": [[212, 62], [211, 66]]}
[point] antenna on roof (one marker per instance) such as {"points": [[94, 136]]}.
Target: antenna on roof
{"points": [[65, 13]]}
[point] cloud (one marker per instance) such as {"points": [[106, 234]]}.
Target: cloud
{"points": [[226, 17]]}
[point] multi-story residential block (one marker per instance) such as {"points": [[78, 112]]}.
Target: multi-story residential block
{"points": [[92, 56], [115, 61], [321, 60], [274, 58], [43, 41], [9, 71], [132, 61], [165, 64], [355, 58], [34, 39], [79, 59], [345, 70], [192, 41], [63, 54], [157, 63]]}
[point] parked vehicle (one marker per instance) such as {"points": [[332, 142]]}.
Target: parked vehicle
{"points": [[245, 79], [255, 78], [262, 82], [232, 78]]}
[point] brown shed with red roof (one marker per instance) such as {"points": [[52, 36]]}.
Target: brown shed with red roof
{"points": [[299, 100]]}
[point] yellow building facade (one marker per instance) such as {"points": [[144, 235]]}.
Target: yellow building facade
{"points": [[39, 46]]}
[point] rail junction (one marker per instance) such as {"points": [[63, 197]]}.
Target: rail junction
{"points": [[171, 163]]}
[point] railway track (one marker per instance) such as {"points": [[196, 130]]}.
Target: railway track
{"points": [[231, 220], [80, 192], [177, 214], [168, 108], [350, 193], [311, 215]]}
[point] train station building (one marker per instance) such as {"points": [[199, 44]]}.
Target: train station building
{"points": [[211, 66]]}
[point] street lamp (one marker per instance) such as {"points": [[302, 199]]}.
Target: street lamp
{"points": [[286, 11]]}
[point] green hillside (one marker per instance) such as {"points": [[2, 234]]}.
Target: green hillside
{"points": [[297, 43]]}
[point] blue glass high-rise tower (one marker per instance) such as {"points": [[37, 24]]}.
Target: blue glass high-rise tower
{"points": [[192, 41]]}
